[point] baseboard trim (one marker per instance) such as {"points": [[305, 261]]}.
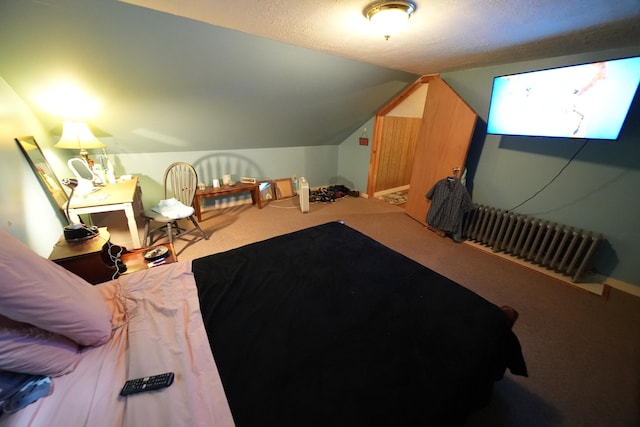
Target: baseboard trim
{"points": [[595, 283], [589, 284], [619, 285]]}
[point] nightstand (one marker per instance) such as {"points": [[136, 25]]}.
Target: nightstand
{"points": [[134, 260], [85, 258]]}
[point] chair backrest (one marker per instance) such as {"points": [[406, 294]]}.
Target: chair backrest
{"points": [[181, 182]]}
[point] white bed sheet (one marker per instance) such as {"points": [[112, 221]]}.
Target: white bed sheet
{"points": [[157, 328]]}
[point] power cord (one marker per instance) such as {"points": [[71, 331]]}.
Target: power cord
{"points": [[120, 266], [114, 252], [584, 144]]}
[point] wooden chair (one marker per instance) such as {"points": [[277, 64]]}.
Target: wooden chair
{"points": [[180, 183]]}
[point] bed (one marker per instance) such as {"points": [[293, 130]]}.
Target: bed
{"points": [[323, 326]]}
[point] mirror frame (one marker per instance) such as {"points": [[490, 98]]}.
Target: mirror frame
{"points": [[80, 169], [40, 166]]}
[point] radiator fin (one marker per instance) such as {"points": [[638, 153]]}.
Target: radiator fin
{"points": [[557, 247]]}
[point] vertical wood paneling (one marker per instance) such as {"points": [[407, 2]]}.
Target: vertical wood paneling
{"points": [[398, 136]]}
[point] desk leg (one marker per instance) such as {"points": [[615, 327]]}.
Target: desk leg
{"points": [[133, 226]]}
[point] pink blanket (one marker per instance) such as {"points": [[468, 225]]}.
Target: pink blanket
{"points": [[157, 327]]}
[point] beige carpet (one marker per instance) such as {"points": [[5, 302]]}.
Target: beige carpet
{"points": [[583, 351]]}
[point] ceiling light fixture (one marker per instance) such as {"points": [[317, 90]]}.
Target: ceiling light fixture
{"points": [[390, 16]]}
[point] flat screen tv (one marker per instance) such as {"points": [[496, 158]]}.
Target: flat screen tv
{"points": [[588, 101]]}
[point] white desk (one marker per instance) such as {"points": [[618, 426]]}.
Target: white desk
{"points": [[111, 197]]}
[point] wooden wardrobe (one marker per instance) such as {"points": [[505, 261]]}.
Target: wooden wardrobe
{"points": [[419, 151]]}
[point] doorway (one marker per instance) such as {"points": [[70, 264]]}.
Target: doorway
{"points": [[395, 136]]}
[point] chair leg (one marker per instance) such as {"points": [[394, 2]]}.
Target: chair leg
{"points": [[145, 241], [170, 232], [195, 223]]}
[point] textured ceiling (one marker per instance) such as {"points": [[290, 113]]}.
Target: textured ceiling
{"points": [[443, 35], [211, 75]]}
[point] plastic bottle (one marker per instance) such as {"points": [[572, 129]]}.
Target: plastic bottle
{"points": [[111, 174]]}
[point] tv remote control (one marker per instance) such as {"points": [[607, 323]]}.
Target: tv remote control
{"points": [[147, 383]]}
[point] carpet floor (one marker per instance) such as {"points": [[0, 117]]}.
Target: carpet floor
{"points": [[582, 350]]}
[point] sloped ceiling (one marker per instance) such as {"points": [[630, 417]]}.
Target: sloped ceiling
{"points": [[213, 75], [443, 35], [167, 83]]}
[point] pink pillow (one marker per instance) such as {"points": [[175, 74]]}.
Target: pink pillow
{"points": [[30, 350], [37, 291]]}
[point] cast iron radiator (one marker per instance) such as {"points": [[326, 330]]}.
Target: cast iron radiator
{"points": [[557, 247]]}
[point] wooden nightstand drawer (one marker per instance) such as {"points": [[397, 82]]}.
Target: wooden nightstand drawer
{"points": [[85, 258]]}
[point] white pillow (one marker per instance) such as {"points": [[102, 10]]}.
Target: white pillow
{"points": [[37, 291]]}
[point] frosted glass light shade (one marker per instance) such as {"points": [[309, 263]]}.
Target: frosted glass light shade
{"points": [[389, 17]]}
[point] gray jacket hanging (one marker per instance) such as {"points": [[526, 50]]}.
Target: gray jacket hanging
{"points": [[449, 203]]}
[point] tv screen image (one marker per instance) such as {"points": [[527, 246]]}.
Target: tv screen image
{"points": [[580, 101]]}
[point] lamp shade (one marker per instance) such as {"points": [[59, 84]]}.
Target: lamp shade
{"points": [[78, 136]]}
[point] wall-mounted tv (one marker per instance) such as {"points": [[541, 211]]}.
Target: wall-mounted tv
{"points": [[580, 101]]}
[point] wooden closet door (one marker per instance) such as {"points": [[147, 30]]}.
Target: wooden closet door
{"points": [[443, 142]]}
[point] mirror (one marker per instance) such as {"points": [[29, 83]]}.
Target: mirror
{"points": [[83, 174], [43, 171], [80, 169]]}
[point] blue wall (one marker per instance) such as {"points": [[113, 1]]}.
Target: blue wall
{"points": [[598, 191], [317, 164], [353, 159], [25, 211]]}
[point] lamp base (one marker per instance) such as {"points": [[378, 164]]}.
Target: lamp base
{"points": [[79, 232]]}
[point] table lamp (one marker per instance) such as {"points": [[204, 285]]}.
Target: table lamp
{"points": [[77, 135]]}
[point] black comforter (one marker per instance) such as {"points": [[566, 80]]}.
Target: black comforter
{"points": [[327, 327]]}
